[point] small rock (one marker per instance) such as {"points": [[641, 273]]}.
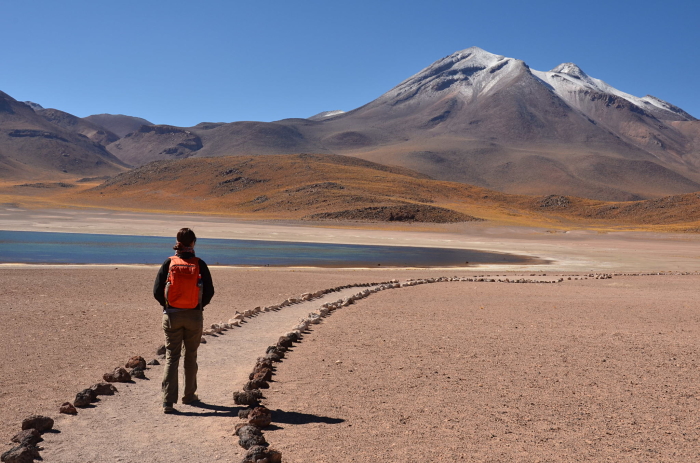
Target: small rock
{"points": [[21, 454], [284, 341], [203, 340], [68, 409], [260, 417], [28, 437], [255, 384], [136, 362], [153, 362], [160, 350], [38, 422], [247, 397], [84, 398], [119, 375], [263, 362], [137, 373], [249, 436], [261, 454], [243, 413], [104, 389], [261, 374]]}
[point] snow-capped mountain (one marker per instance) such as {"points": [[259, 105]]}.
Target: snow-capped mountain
{"points": [[479, 118]]}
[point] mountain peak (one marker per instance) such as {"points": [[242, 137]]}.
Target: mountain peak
{"points": [[570, 69]]}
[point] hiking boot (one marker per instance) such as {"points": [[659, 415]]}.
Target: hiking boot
{"points": [[190, 399], [168, 407]]}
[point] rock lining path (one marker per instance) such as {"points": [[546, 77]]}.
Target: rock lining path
{"points": [[130, 426]]}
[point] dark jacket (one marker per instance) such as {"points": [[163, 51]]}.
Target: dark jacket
{"points": [[162, 278]]}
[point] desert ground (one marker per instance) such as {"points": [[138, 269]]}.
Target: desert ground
{"points": [[582, 370]]}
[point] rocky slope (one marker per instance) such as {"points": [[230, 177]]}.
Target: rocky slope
{"points": [[33, 146]]}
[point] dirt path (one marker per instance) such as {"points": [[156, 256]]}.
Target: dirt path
{"points": [[130, 427]]}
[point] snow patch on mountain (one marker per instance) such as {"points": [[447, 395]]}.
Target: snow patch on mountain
{"points": [[567, 79], [326, 114], [469, 73], [34, 106]]}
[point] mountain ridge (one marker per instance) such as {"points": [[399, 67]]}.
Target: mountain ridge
{"points": [[480, 118]]}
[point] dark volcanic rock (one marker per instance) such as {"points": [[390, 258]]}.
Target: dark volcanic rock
{"points": [[243, 413], [136, 362], [261, 454], [260, 417], [38, 422], [68, 409], [285, 341], [27, 437], [137, 373], [119, 375], [261, 374], [104, 389], [249, 436], [247, 397], [160, 350], [84, 398], [255, 384], [21, 454], [154, 362]]}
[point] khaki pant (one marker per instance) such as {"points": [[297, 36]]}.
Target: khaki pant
{"points": [[181, 328]]}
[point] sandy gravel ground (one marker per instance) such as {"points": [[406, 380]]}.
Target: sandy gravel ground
{"points": [[64, 327], [131, 426], [594, 370]]}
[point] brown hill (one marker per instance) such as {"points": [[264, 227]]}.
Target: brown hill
{"points": [[68, 121], [331, 187], [33, 147], [118, 123]]}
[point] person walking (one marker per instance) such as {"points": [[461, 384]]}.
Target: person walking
{"points": [[183, 287]]}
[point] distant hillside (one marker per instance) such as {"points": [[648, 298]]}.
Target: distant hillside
{"points": [[35, 147], [68, 121], [339, 188], [118, 123]]}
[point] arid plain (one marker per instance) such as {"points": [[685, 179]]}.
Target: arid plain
{"points": [[582, 370]]}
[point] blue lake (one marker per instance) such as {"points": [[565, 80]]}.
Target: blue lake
{"points": [[77, 248]]}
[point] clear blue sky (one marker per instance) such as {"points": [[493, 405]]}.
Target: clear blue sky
{"points": [[180, 63]]}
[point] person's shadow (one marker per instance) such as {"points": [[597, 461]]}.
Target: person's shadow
{"points": [[205, 409], [296, 418]]}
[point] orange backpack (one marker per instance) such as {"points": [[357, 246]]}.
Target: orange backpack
{"points": [[184, 284]]}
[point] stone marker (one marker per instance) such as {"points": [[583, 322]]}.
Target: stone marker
{"points": [[249, 436], [136, 362], [119, 375], [260, 454], [247, 397], [21, 454], [137, 373], [104, 389], [84, 398], [38, 422], [27, 437], [260, 417], [68, 409]]}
